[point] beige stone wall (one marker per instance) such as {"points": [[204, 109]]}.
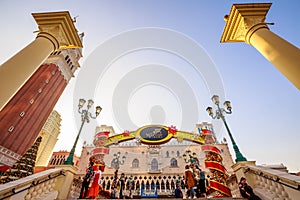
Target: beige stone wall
{"points": [[165, 154]]}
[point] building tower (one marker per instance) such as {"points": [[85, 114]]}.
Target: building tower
{"points": [[49, 134], [24, 114]]}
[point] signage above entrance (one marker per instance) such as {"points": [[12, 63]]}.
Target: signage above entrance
{"points": [[154, 134]]}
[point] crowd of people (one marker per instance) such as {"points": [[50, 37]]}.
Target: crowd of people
{"points": [[91, 182], [193, 185]]}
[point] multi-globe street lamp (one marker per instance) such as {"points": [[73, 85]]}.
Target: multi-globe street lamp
{"points": [[85, 117], [190, 157], [220, 114], [116, 162]]}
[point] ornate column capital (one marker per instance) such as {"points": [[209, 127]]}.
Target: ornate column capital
{"points": [[243, 21], [59, 28]]}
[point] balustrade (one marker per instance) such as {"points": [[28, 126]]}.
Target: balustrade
{"points": [[38, 186], [75, 188], [273, 184]]}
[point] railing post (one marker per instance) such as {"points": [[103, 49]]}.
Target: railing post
{"points": [[239, 170], [64, 183]]}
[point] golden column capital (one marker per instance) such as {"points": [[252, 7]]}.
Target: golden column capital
{"points": [[50, 37], [243, 21], [59, 28]]}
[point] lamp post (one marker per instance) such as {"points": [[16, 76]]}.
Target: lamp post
{"points": [[220, 114], [191, 157], [85, 117], [117, 162]]}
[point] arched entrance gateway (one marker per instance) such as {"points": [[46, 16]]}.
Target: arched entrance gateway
{"points": [[152, 166]]}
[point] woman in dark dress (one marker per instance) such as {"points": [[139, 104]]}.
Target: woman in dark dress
{"points": [[246, 190]]}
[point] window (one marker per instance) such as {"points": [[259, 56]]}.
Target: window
{"points": [[177, 154], [167, 154], [154, 165], [173, 162], [53, 161], [135, 163]]}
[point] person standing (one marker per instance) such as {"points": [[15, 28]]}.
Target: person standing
{"points": [[246, 190], [196, 173], [130, 186], [86, 181], [202, 183], [122, 186], [94, 189], [178, 192], [190, 182]]}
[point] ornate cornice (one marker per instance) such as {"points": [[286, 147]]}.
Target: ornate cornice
{"points": [[243, 21], [59, 25], [8, 157]]}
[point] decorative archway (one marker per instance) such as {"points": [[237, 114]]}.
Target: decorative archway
{"points": [[159, 134], [154, 135]]}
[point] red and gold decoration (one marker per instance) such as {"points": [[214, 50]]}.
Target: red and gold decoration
{"points": [[97, 154], [172, 130], [154, 135], [126, 133], [213, 162]]}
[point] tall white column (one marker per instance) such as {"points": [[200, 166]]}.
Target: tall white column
{"points": [[246, 23]]}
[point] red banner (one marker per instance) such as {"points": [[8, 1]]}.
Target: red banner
{"points": [[100, 150], [220, 187], [215, 165], [206, 132], [211, 148], [102, 134]]}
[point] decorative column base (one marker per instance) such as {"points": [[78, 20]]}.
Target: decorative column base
{"points": [[240, 167]]}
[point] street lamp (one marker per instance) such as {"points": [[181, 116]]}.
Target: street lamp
{"points": [[85, 117], [117, 162], [220, 114], [191, 157]]}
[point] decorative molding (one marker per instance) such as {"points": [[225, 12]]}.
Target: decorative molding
{"points": [[242, 19], [59, 25], [8, 157]]}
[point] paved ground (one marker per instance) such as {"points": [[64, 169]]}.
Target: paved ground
{"points": [[230, 198]]}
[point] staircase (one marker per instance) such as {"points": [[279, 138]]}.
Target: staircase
{"points": [[60, 184]]}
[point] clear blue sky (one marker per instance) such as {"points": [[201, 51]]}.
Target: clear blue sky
{"points": [[265, 119]]}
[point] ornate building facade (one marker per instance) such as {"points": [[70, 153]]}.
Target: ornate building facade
{"points": [[59, 157], [49, 134], [161, 165]]}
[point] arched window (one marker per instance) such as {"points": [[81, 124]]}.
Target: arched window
{"points": [[53, 161], [167, 154], [177, 154], [154, 165], [173, 162], [135, 163]]}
